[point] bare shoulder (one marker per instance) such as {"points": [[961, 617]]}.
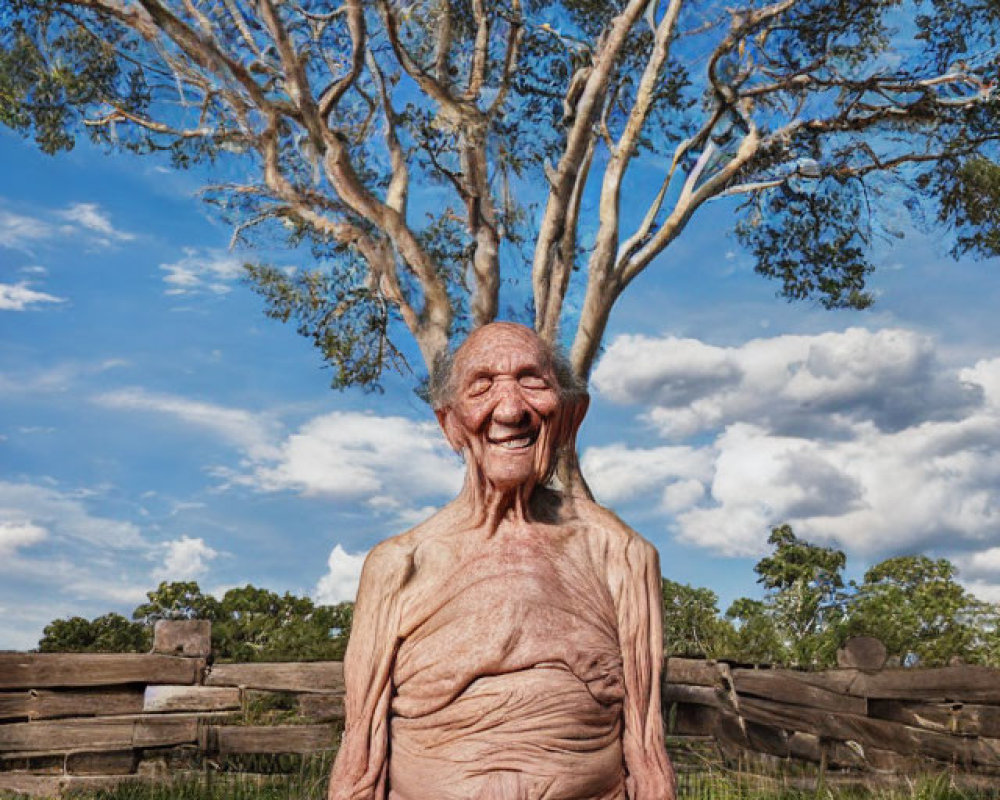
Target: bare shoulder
{"points": [[606, 528], [391, 561]]}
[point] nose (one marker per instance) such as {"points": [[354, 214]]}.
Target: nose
{"points": [[510, 410]]}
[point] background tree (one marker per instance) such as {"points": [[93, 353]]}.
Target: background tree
{"points": [[756, 639], [431, 152], [248, 624], [802, 584], [691, 622], [110, 633], [915, 606], [176, 600]]}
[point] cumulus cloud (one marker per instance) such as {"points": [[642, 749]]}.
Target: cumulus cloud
{"points": [[792, 384], [15, 534], [202, 271], [184, 559], [863, 439], [21, 297], [352, 455], [617, 473], [389, 462], [341, 580]]}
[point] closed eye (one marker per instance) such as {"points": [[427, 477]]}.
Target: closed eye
{"points": [[533, 382], [478, 386]]}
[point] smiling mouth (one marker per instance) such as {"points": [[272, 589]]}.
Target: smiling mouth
{"points": [[515, 442]]}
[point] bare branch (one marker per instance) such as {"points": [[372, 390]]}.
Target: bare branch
{"points": [[399, 183], [331, 95], [563, 177], [477, 72]]}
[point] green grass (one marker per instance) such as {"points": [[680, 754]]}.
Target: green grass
{"points": [[305, 778]]}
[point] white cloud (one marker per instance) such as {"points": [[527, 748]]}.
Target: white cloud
{"points": [[200, 271], [86, 220], [19, 296], [860, 439], [184, 559], [65, 517], [15, 534], [253, 433], [792, 384], [58, 378], [17, 231], [989, 592], [386, 461], [352, 455], [341, 580], [617, 473], [92, 218]]}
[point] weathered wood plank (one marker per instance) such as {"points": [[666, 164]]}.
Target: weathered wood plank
{"points": [[98, 734], [45, 704], [190, 698], [785, 686], [273, 739], [318, 676], [691, 671], [968, 683], [321, 707], [183, 637], [122, 762], [877, 733], [685, 693], [47, 670], [14, 705]]}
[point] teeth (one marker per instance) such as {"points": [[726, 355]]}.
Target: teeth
{"points": [[516, 444]]}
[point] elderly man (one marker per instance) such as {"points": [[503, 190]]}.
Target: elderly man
{"points": [[508, 648]]}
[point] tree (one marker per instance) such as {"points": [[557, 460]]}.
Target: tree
{"points": [[914, 605], [176, 600], [691, 623], [803, 584], [111, 633], [756, 639], [254, 624], [434, 151], [248, 624]]}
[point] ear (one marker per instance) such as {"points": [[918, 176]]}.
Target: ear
{"points": [[573, 412], [452, 431]]}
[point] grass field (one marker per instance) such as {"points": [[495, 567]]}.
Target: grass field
{"points": [[305, 778]]}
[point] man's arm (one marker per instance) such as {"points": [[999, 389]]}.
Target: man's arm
{"points": [[359, 772], [640, 631]]}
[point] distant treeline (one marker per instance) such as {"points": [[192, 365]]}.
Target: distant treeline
{"points": [[913, 604]]}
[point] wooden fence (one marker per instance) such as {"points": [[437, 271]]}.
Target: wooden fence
{"points": [[70, 721]]}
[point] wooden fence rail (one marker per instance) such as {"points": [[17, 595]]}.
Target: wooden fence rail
{"points": [[72, 720]]}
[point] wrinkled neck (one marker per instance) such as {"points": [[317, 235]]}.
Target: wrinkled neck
{"points": [[488, 506]]}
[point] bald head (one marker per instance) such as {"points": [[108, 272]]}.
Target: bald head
{"points": [[494, 337]]}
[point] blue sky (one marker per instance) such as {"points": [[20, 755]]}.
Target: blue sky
{"points": [[154, 425]]}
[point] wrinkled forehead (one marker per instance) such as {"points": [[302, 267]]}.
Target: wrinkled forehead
{"points": [[501, 348]]}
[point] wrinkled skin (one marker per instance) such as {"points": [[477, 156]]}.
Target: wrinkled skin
{"points": [[508, 648]]}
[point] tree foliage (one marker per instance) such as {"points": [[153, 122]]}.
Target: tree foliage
{"points": [[110, 633], [431, 152], [916, 607], [691, 622], [248, 624]]}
